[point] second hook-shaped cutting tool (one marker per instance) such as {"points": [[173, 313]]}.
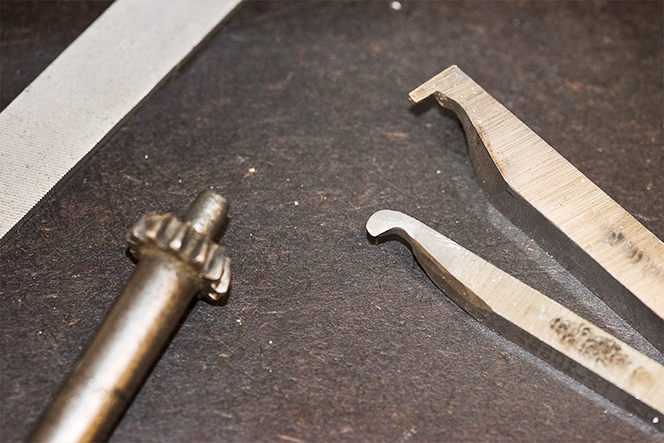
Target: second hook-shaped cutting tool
{"points": [[532, 320]]}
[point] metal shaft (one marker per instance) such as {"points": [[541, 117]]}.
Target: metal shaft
{"points": [[128, 343]]}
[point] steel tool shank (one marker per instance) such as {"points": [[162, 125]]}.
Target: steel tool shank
{"points": [[124, 350]]}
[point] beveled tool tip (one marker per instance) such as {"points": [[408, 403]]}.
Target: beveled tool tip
{"points": [[384, 221]]}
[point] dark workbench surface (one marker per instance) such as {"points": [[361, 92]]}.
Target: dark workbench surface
{"points": [[327, 337]]}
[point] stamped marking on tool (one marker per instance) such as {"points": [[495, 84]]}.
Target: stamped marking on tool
{"points": [[581, 337], [633, 253], [615, 237]]}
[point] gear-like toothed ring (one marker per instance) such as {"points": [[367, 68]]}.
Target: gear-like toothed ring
{"points": [[169, 234]]}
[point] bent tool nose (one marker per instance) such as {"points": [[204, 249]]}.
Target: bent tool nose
{"points": [[532, 320], [587, 232]]}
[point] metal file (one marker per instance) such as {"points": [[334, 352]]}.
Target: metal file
{"points": [[72, 107]]}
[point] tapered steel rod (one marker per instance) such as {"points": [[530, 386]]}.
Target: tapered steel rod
{"points": [[176, 261]]}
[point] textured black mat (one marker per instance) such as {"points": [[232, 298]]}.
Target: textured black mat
{"points": [[327, 337]]}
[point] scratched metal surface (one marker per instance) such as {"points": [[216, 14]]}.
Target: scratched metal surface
{"points": [[326, 336]]}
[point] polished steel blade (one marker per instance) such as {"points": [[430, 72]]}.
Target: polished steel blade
{"points": [[532, 320], [74, 104], [590, 234]]}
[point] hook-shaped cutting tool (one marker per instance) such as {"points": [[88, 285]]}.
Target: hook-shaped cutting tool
{"points": [[590, 234], [532, 320]]}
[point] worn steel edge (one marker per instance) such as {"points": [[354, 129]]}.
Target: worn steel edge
{"points": [[590, 234], [74, 105]]}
